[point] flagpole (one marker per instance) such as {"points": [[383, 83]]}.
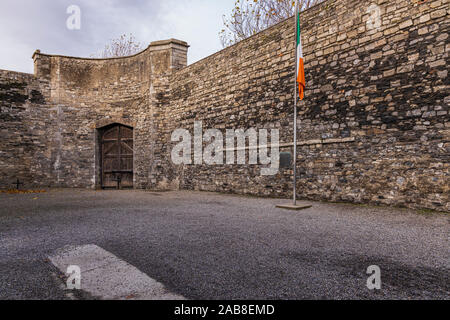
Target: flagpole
{"points": [[295, 106], [299, 65]]}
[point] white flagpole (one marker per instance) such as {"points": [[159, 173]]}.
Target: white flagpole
{"points": [[295, 106]]}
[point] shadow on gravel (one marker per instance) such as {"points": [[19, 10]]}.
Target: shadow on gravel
{"points": [[400, 280]]}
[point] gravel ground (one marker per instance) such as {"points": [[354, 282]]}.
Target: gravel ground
{"points": [[213, 246]]}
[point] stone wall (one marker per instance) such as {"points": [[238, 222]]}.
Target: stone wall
{"points": [[24, 119], [77, 98], [374, 126]]}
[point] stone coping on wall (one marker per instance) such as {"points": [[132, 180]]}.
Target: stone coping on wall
{"points": [[11, 73], [155, 45]]}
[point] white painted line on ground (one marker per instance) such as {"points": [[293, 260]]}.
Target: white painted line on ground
{"points": [[107, 277]]}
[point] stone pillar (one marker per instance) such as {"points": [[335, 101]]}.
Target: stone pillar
{"points": [[177, 54], [165, 58], [42, 65]]}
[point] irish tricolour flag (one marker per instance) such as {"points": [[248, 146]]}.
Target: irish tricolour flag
{"points": [[300, 66]]}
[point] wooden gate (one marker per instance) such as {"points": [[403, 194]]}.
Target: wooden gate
{"points": [[117, 157]]}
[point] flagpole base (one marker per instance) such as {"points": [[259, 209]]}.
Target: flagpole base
{"points": [[293, 207]]}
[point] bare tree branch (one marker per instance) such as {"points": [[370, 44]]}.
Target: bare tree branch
{"points": [[122, 46], [252, 16]]}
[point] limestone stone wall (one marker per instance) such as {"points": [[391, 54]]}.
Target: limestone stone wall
{"points": [[77, 98], [24, 120], [374, 126]]}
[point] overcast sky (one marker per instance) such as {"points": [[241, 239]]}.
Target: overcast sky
{"points": [[27, 25]]}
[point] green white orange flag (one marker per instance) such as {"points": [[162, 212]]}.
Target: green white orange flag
{"points": [[300, 67]]}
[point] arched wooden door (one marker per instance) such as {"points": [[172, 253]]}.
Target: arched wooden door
{"points": [[117, 157]]}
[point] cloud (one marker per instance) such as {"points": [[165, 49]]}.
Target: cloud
{"points": [[27, 25]]}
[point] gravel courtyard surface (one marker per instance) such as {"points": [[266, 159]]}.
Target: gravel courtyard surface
{"points": [[213, 246]]}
